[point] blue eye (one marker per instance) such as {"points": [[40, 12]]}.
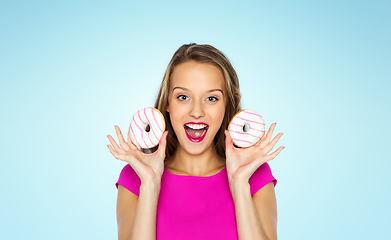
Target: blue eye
{"points": [[212, 99], [182, 97]]}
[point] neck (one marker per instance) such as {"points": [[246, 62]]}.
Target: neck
{"points": [[196, 165]]}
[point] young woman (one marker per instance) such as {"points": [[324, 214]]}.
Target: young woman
{"points": [[197, 184]]}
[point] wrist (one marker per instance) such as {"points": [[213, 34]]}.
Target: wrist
{"points": [[239, 188], [151, 185]]}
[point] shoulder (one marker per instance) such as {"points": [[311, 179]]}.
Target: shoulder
{"points": [[262, 176], [129, 179]]}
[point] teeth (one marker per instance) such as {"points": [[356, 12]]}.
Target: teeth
{"points": [[196, 126]]}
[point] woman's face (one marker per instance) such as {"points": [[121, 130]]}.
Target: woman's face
{"points": [[196, 105]]}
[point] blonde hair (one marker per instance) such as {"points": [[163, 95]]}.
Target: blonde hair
{"points": [[209, 55]]}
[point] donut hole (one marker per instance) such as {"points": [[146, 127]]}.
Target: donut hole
{"points": [[147, 128], [246, 127]]}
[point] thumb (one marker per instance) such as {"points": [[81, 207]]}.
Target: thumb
{"points": [[229, 148], [162, 144]]}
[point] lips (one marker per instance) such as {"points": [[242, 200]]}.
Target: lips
{"points": [[196, 131]]}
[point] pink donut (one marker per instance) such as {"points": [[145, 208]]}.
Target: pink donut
{"points": [[141, 119], [255, 130]]}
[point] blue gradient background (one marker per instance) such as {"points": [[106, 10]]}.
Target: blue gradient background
{"points": [[72, 70]]}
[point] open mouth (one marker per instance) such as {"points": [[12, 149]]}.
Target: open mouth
{"points": [[196, 131]]}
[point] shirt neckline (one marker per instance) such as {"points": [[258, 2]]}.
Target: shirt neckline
{"points": [[217, 174]]}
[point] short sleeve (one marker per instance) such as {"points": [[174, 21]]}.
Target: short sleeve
{"points": [[262, 176], [129, 179]]}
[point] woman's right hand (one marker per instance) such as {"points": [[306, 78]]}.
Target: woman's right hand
{"points": [[149, 167]]}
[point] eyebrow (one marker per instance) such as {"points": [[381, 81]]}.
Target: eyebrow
{"points": [[212, 90]]}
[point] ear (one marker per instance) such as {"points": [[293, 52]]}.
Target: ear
{"points": [[168, 108]]}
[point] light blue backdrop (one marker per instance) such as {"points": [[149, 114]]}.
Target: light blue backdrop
{"points": [[71, 70]]}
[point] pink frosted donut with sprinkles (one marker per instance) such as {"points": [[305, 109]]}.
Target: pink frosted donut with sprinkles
{"points": [[246, 128], [139, 132]]}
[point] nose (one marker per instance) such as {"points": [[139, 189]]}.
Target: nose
{"points": [[196, 110]]}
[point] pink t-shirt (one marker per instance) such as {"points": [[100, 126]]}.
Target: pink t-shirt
{"points": [[192, 207]]}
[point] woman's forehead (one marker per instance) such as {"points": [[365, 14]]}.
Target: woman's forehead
{"points": [[194, 76]]}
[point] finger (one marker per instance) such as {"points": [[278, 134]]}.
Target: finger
{"points": [[229, 148], [121, 139], [269, 134], [114, 143], [260, 140], [263, 134], [112, 151], [116, 154], [162, 144], [130, 143], [274, 154], [271, 145]]}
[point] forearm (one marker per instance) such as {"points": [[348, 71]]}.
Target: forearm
{"points": [[144, 222], [248, 224]]}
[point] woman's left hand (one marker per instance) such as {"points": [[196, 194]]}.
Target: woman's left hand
{"points": [[242, 162]]}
